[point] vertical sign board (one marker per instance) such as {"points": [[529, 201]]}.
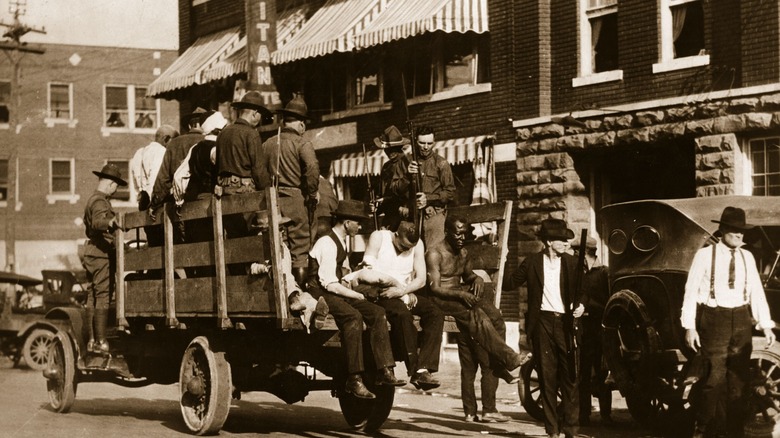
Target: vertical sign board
{"points": [[260, 42]]}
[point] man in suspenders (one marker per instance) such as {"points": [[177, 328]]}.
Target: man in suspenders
{"points": [[722, 294]]}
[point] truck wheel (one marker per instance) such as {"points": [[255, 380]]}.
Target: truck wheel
{"points": [[765, 379], [205, 383], [61, 374], [367, 415], [36, 348], [530, 391]]}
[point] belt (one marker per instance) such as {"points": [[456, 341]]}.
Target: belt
{"points": [[288, 189], [721, 309], [551, 313], [225, 180]]}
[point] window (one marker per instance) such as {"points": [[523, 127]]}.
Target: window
{"points": [[62, 181], [460, 60], [682, 35], [3, 182], [5, 100], [765, 159], [598, 41], [127, 108], [122, 192], [367, 84], [60, 103]]}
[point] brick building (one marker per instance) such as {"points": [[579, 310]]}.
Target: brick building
{"points": [[77, 112]]}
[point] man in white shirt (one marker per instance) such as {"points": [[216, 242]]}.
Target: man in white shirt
{"points": [[723, 295]]}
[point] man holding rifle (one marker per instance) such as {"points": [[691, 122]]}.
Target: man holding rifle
{"points": [[395, 202], [554, 305]]}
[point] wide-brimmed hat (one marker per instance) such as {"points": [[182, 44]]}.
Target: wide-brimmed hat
{"points": [[198, 112], [735, 218], [253, 100], [351, 209], [555, 229], [391, 137], [112, 172], [296, 108]]}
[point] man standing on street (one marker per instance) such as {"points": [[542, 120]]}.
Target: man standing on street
{"points": [[438, 186], [554, 305], [99, 259], [289, 162], [722, 296]]}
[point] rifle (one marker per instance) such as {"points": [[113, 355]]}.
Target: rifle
{"points": [[417, 216], [574, 324], [371, 193]]}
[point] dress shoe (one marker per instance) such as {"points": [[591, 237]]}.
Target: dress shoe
{"points": [[470, 418], [356, 387], [494, 417], [424, 381], [387, 377]]}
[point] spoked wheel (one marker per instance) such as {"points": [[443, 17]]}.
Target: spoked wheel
{"points": [[205, 383], [36, 349], [61, 374], [367, 415], [764, 389], [530, 391]]}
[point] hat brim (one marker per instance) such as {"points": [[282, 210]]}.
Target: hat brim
{"points": [[260, 108], [118, 180], [356, 217], [387, 145], [739, 227], [295, 114]]}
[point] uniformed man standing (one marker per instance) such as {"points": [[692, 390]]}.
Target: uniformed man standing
{"points": [[99, 262], [289, 162], [394, 203]]}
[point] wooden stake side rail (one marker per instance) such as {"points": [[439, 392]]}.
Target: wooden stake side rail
{"points": [[216, 297]]}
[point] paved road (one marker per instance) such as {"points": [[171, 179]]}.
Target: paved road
{"points": [[111, 411]]}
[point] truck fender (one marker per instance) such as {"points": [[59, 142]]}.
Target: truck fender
{"points": [[67, 319], [42, 324]]}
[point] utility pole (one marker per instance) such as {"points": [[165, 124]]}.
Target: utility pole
{"points": [[15, 50]]}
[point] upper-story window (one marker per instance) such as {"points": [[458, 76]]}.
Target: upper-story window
{"points": [[5, 101], [3, 182], [765, 159], [60, 105], [62, 180], [128, 109], [598, 48], [682, 35], [460, 60], [367, 87]]}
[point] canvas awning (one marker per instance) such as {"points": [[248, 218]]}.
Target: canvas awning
{"points": [[408, 18], [331, 29], [455, 151], [232, 63], [205, 53]]}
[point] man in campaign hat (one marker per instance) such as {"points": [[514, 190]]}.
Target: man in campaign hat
{"points": [[238, 145], [99, 259], [288, 161], [394, 201], [350, 309], [554, 305], [724, 285]]}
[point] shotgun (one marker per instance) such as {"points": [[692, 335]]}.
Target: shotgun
{"points": [[371, 194]]}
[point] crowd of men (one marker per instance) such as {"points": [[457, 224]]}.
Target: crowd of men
{"points": [[416, 264]]}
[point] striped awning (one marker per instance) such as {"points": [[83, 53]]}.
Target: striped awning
{"points": [[228, 64], [407, 18], [186, 70], [331, 29], [455, 151]]}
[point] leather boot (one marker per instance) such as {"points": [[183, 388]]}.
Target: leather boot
{"points": [[101, 324], [301, 277], [89, 317], [356, 387], [386, 376]]}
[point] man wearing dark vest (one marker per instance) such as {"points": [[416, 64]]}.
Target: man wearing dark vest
{"points": [[349, 308], [99, 262]]}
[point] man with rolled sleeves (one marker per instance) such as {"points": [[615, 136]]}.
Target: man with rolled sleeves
{"points": [[238, 144], [288, 161], [99, 259]]}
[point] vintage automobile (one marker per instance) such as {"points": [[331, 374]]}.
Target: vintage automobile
{"points": [[220, 331], [651, 247], [24, 333]]}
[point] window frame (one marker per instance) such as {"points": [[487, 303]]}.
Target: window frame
{"points": [[750, 169], [129, 127], [666, 60], [6, 125], [50, 120], [72, 197], [4, 201], [586, 74]]}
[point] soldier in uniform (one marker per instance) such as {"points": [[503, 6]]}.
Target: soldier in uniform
{"points": [[99, 262], [289, 162], [395, 200]]}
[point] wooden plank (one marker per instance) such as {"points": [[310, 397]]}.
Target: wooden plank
{"points": [[245, 294], [201, 208], [503, 242], [480, 213], [280, 280], [486, 257], [119, 242], [186, 255], [170, 291], [219, 257]]}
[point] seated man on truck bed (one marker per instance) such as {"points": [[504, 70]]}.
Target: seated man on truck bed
{"points": [[328, 266]]}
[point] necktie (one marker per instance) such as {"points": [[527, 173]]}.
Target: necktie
{"points": [[731, 271]]}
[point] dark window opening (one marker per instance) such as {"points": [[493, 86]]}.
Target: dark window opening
{"points": [[605, 55], [690, 41]]}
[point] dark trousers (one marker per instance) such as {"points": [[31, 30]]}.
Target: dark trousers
{"points": [[556, 371], [100, 274], [471, 357], [404, 333], [298, 232], [592, 373], [726, 345], [350, 315]]}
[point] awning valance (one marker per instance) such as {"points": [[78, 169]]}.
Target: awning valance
{"points": [[407, 18], [455, 151], [331, 29], [205, 53]]}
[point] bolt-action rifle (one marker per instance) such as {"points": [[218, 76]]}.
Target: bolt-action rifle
{"points": [[371, 194]]}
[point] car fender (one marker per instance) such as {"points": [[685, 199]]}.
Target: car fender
{"points": [[67, 319], [42, 324]]}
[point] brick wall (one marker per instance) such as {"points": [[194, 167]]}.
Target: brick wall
{"points": [[760, 42]]}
